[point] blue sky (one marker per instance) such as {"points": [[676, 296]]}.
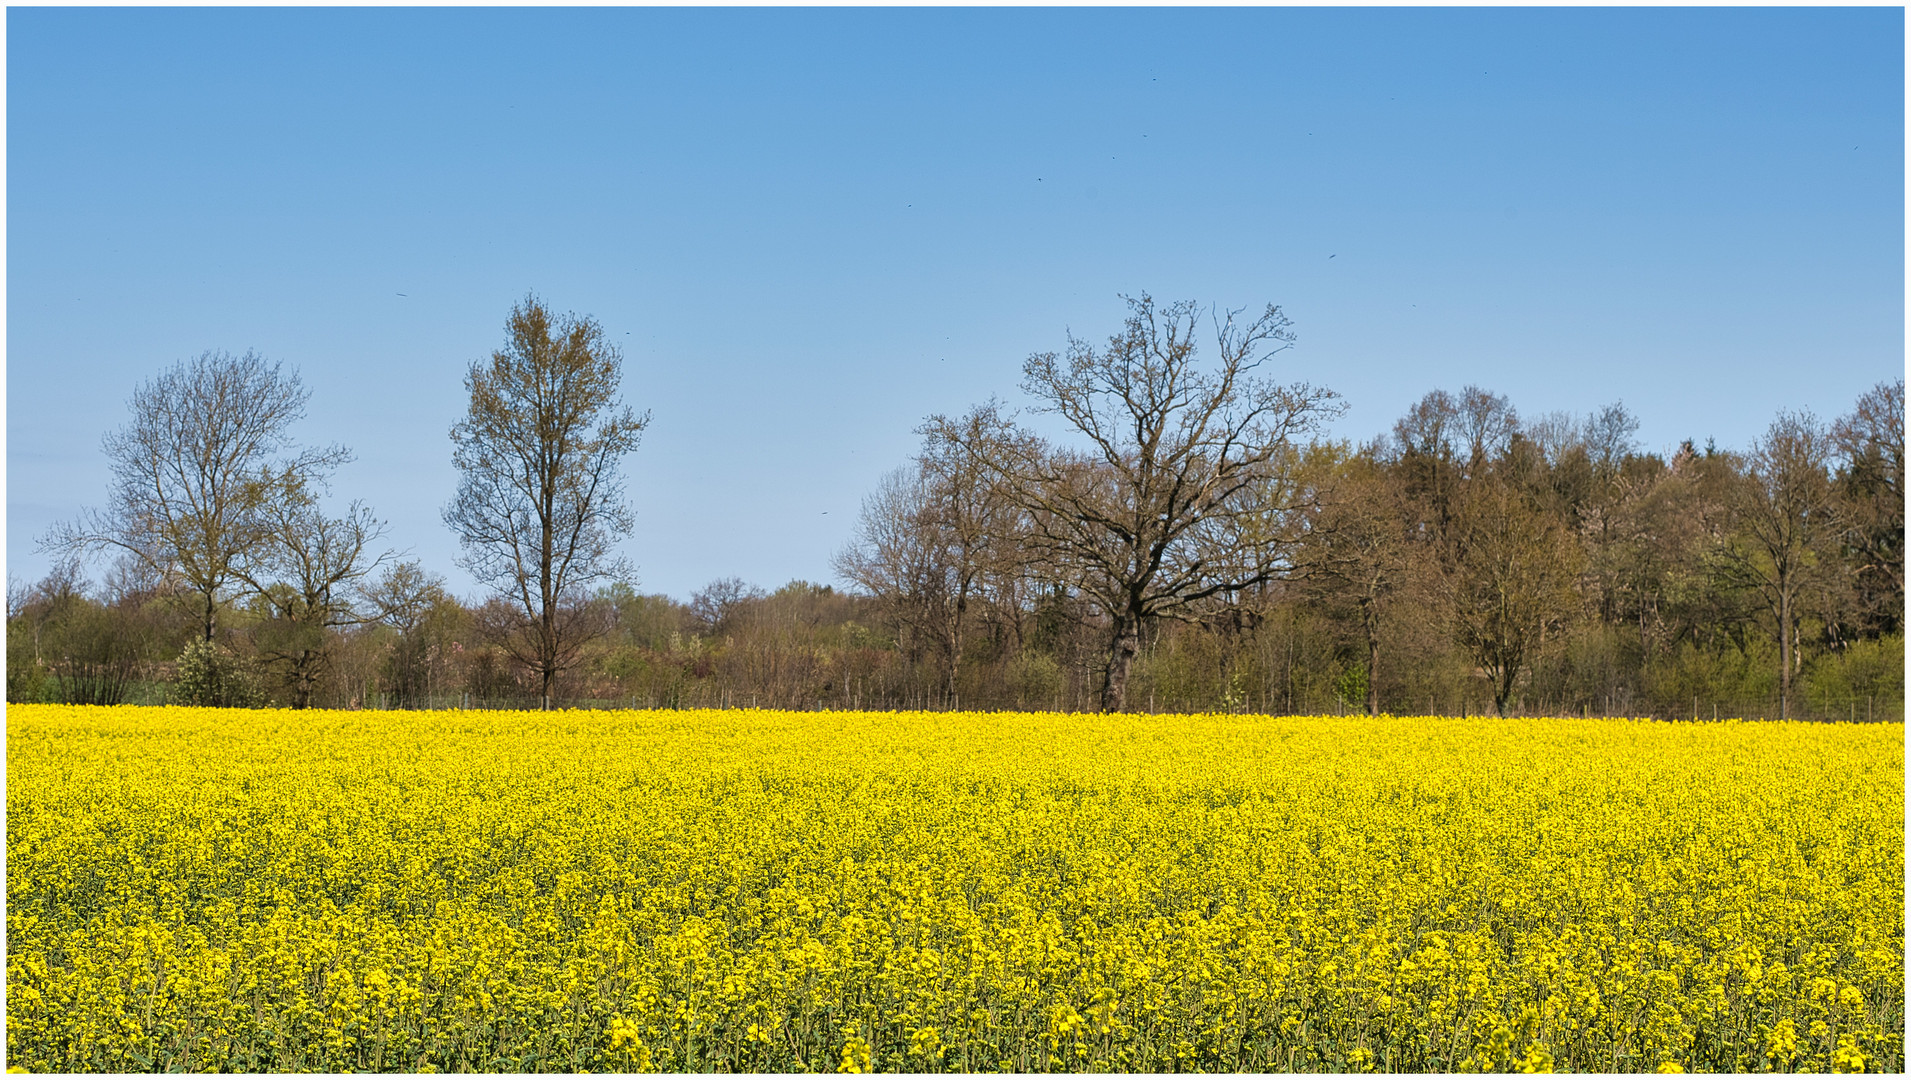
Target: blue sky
{"points": [[810, 229]]}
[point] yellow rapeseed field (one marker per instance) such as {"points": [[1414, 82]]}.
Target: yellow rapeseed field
{"points": [[745, 890]]}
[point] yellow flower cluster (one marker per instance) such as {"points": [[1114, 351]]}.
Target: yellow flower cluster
{"points": [[745, 890]]}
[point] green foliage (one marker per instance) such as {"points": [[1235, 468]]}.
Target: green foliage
{"points": [[1734, 681], [857, 636], [1183, 671], [26, 676], [64, 646], [208, 674], [1034, 679], [97, 658], [1858, 677], [644, 621], [1351, 686], [1594, 669]]}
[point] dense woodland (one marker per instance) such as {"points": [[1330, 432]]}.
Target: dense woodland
{"points": [[1468, 560]]}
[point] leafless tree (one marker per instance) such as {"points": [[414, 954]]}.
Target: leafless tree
{"points": [[414, 602], [307, 573], [1510, 582], [1429, 427], [1487, 423], [1870, 440], [187, 498], [939, 540], [540, 506], [717, 605], [1182, 494], [1606, 436], [1786, 508], [403, 596], [1610, 435], [1554, 434], [896, 557], [35, 605], [1356, 551], [1874, 431], [1426, 461]]}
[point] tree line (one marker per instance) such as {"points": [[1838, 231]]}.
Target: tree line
{"points": [[1161, 525]]}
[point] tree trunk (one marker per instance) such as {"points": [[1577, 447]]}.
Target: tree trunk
{"points": [[302, 680], [1373, 666], [955, 640], [547, 646], [1784, 653], [1121, 657], [1503, 680]]}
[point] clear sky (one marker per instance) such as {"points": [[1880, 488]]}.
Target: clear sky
{"points": [[810, 229]]}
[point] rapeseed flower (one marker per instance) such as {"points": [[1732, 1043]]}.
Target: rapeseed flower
{"points": [[752, 890]]}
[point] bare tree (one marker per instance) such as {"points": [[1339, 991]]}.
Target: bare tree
{"points": [[540, 505], [896, 556], [1606, 436], [1610, 436], [1429, 427], [717, 604], [404, 595], [1357, 551], [1182, 494], [1510, 582], [1425, 460], [939, 540], [1554, 434], [1487, 423], [1871, 442], [1785, 505], [307, 574], [978, 531], [34, 645], [186, 498], [414, 602]]}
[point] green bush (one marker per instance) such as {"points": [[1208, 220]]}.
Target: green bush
{"points": [[1735, 683], [26, 679], [1351, 687], [1035, 680], [1858, 680]]}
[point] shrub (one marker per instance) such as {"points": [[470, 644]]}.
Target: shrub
{"points": [[209, 674], [1854, 680]]}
